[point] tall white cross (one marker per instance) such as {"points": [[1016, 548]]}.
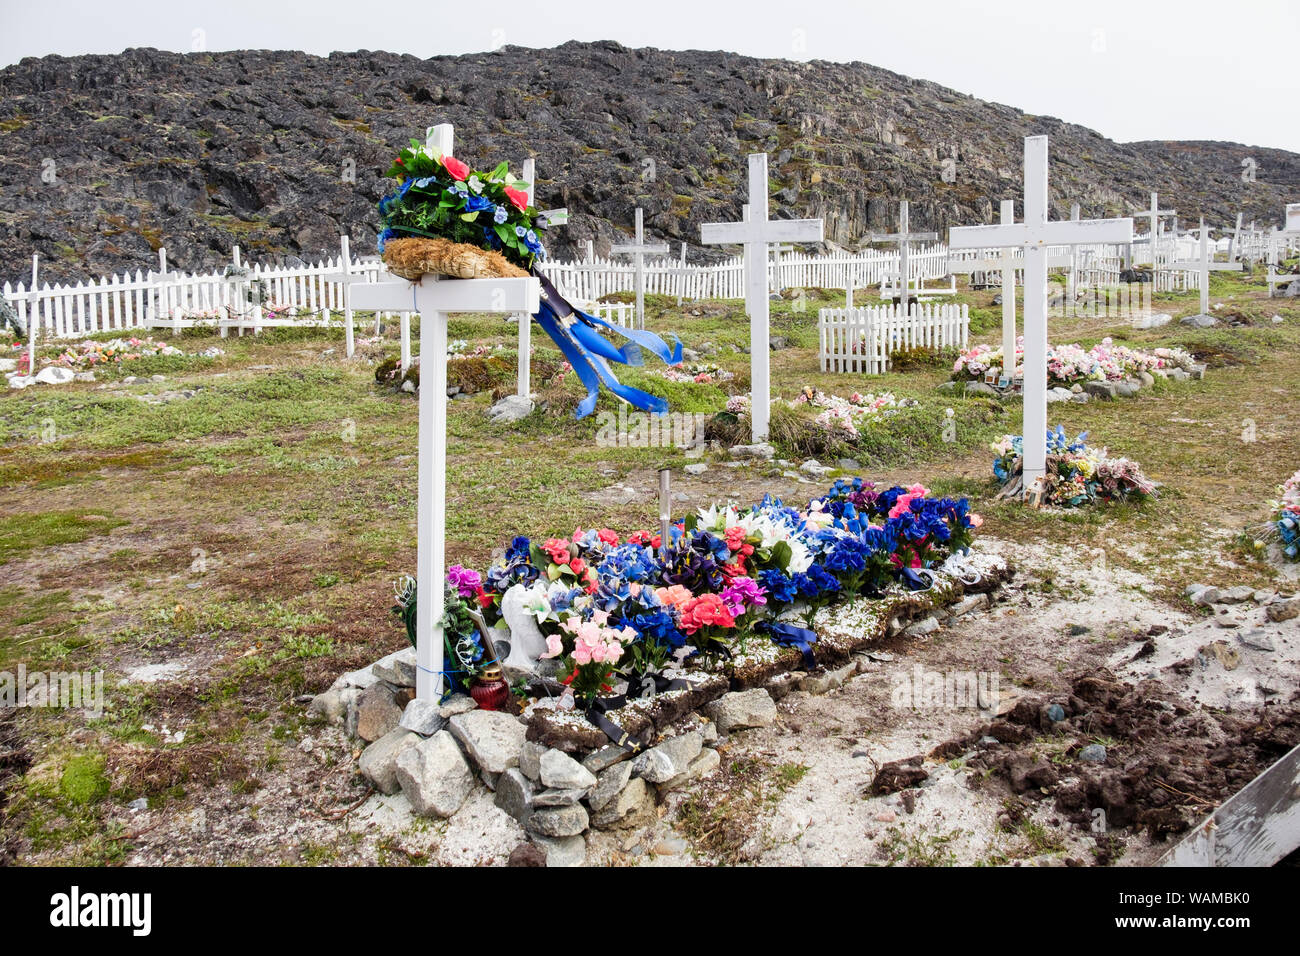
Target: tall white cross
{"points": [[434, 297], [904, 240], [1154, 215], [1034, 236], [755, 232], [639, 250], [1205, 264], [1234, 246]]}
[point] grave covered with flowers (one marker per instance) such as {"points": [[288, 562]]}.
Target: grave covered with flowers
{"points": [[1077, 474], [1071, 364], [1284, 524]]}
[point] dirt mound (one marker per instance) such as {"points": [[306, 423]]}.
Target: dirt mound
{"points": [[1114, 755]]}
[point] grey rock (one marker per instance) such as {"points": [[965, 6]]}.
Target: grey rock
{"points": [[740, 710], [492, 738], [704, 764], [1093, 753], [397, 668], [435, 776], [139, 803], [530, 759], [927, 625], [559, 771], [849, 464], [360, 679], [696, 468], [457, 704], [1200, 321], [559, 821], [510, 409], [1124, 389], [979, 388], [1242, 592], [378, 762], [825, 681], [559, 798], [422, 717], [514, 795], [332, 705], [609, 783], [815, 468], [1280, 611], [947, 387], [633, 803], [1102, 390], [668, 759], [1257, 639], [761, 450], [1206, 597], [378, 712], [605, 757], [1056, 713], [563, 851]]}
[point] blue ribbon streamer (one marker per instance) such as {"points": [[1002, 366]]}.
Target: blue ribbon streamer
{"points": [[790, 635], [578, 337]]}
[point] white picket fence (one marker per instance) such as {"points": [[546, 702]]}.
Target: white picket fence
{"points": [[312, 294], [862, 339], [592, 279]]}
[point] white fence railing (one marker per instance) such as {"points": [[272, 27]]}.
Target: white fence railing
{"points": [[863, 339]]}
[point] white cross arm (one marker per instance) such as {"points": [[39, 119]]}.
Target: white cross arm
{"points": [[1195, 265], [960, 266], [449, 295], [1065, 233], [648, 248], [903, 237], [774, 230]]}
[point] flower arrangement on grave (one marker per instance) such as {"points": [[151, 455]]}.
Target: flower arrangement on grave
{"points": [[91, 354], [634, 611], [848, 416], [449, 219], [1285, 521], [1071, 364], [699, 373], [1076, 473]]}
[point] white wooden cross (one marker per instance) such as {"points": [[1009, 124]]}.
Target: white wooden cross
{"points": [[755, 232], [1234, 246], [904, 240], [434, 297], [1006, 264], [1034, 236], [1154, 215], [638, 250], [1205, 264], [347, 278]]}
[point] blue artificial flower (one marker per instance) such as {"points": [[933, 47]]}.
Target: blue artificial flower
{"points": [[424, 183], [520, 231], [384, 237], [779, 585], [530, 237], [815, 582], [655, 625], [501, 215], [477, 204]]}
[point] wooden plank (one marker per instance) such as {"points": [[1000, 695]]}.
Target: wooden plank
{"points": [[1257, 826]]}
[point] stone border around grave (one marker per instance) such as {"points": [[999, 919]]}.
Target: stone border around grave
{"points": [[559, 776]]}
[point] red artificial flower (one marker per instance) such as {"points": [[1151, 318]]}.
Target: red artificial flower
{"points": [[557, 550], [518, 198], [607, 536], [705, 611], [457, 169], [639, 537], [577, 566], [736, 570], [484, 599]]}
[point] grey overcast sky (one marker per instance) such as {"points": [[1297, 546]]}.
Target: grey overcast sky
{"points": [[1131, 69]]}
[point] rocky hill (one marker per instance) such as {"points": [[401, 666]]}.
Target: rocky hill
{"points": [[280, 152]]}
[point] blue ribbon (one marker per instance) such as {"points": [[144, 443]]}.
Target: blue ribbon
{"points": [[790, 635], [578, 337]]}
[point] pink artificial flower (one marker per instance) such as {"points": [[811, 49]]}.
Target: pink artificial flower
{"points": [[674, 596], [554, 646], [457, 169]]}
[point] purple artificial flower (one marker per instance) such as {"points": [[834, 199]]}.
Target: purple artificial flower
{"points": [[742, 594], [464, 580]]}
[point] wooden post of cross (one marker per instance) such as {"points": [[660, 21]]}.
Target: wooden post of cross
{"points": [[904, 238], [1205, 264], [434, 297], [33, 316], [347, 278], [755, 232], [638, 250], [1034, 236]]}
